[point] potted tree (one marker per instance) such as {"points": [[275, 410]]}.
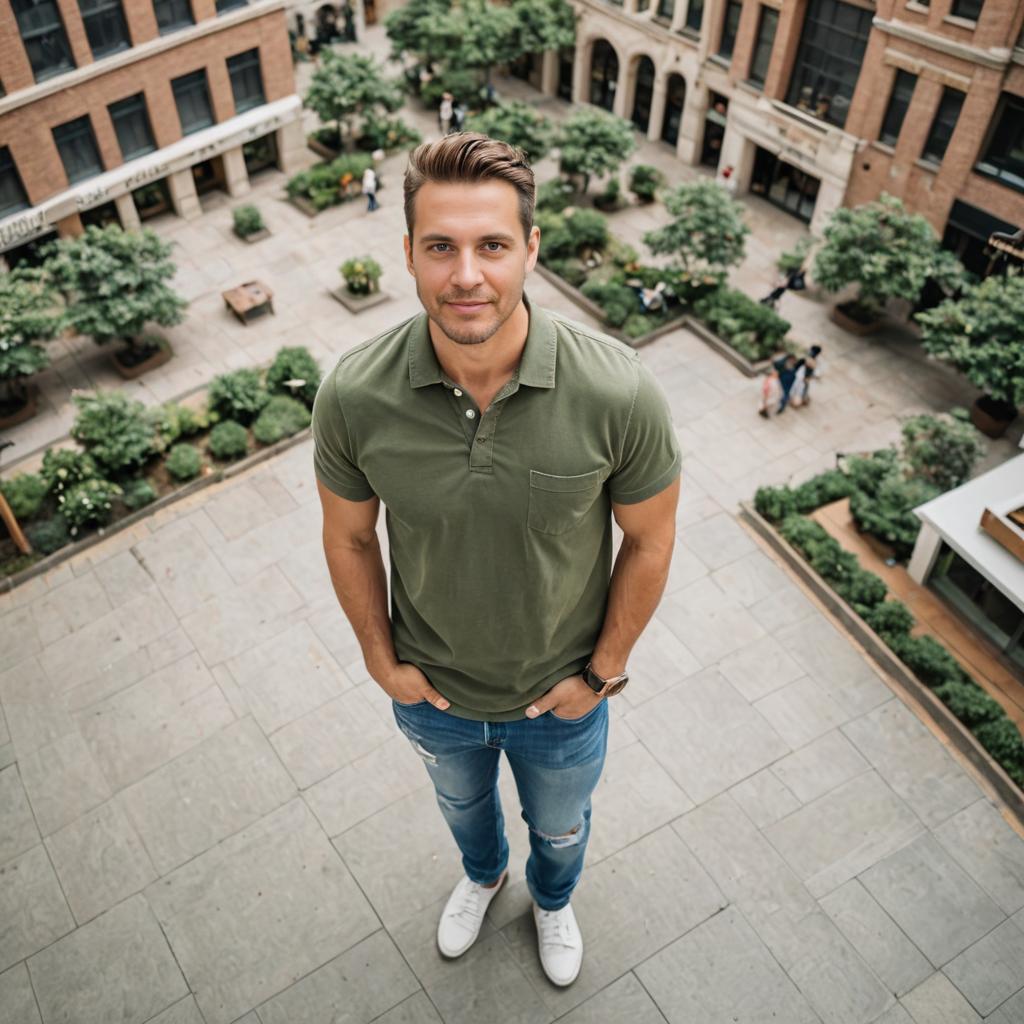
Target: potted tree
{"points": [[888, 253], [644, 182], [114, 283], [593, 142], [29, 316], [248, 224], [362, 284], [980, 334]]}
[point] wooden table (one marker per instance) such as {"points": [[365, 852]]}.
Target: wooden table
{"points": [[249, 300]]}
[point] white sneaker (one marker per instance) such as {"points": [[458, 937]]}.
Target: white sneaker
{"points": [[463, 915], [560, 943]]}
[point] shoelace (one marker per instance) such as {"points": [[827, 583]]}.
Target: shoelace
{"points": [[555, 930], [469, 904]]}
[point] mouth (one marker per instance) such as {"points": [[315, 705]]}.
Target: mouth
{"points": [[467, 307]]}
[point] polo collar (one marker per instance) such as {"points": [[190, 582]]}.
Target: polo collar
{"points": [[536, 368]]}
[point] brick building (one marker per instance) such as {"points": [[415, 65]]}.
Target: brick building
{"points": [[818, 103], [117, 110]]}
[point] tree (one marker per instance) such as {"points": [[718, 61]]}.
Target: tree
{"points": [[544, 25], [707, 231], [518, 124], [489, 35], [980, 334], [29, 315], [594, 142], [113, 283], [887, 251], [346, 86], [422, 28]]}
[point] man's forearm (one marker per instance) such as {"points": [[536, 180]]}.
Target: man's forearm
{"points": [[637, 582]]}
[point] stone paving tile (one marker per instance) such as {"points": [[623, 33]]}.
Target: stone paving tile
{"points": [[186, 1012], [764, 798], [20, 832], [68, 608], [896, 1014], [259, 911], [937, 1001], [417, 1009], [240, 508], [706, 735], [1011, 1012], [760, 668], [801, 711], [122, 577], [21, 640], [751, 578], [657, 662], [255, 551], [875, 936], [623, 1000], [991, 970], [32, 906], [719, 973], [823, 764], [211, 791], [17, 1000], [718, 541], [932, 899], [786, 607], [35, 711]]}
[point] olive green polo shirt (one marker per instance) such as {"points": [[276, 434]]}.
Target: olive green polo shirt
{"points": [[499, 523]]}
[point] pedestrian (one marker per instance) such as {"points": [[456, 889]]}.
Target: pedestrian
{"points": [[445, 112], [770, 393], [785, 367], [806, 368], [370, 189], [501, 437], [459, 112]]}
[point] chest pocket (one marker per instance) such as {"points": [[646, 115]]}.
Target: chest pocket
{"points": [[558, 503]]}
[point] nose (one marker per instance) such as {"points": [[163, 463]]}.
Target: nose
{"points": [[467, 273]]}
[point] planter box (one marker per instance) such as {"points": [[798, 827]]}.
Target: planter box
{"points": [[255, 236], [922, 696], [357, 303], [724, 349], [854, 326], [162, 355], [303, 204], [26, 412], [321, 150]]}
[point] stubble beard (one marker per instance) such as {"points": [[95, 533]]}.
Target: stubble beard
{"points": [[466, 333]]}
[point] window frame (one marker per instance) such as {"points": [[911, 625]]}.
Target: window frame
{"points": [[119, 110], [891, 137], [223, 6], [56, 29], [759, 40], [75, 131], [235, 73], [730, 7], [927, 152], [104, 8], [177, 25], [957, 9], [985, 165], [8, 166], [178, 87], [694, 16]]}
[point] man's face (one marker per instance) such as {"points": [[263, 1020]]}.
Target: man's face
{"points": [[469, 257]]}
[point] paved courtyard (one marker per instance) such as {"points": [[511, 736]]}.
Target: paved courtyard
{"points": [[207, 813]]}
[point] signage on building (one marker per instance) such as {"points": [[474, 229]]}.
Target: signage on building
{"points": [[1011, 245]]}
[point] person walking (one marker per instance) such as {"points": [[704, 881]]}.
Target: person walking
{"points": [[445, 112], [785, 367], [806, 368], [503, 439], [370, 189], [459, 116]]}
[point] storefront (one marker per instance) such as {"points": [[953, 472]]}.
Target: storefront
{"points": [[784, 185], [967, 236], [714, 130]]}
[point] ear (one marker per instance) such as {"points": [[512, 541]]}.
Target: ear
{"points": [[532, 248], [407, 245]]}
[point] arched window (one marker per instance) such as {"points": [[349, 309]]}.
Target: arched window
{"points": [[675, 97], [604, 74], [642, 93]]}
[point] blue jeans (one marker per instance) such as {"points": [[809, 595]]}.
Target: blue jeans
{"points": [[556, 763]]}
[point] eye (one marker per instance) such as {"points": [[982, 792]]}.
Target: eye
{"points": [[437, 246], [493, 246]]}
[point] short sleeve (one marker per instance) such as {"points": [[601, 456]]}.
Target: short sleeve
{"points": [[334, 462], [650, 458]]}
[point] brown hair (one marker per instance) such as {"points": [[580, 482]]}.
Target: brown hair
{"points": [[470, 157]]}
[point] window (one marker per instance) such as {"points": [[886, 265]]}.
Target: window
{"points": [[733, 10], [172, 15], [828, 59], [193, 99], [966, 9], [131, 122], [230, 5], [77, 147], [943, 125], [902, 91], [246, 83], [1004, 154], [46, 42], [694, 14], [766, 26], [12, 192], [666, 9], [105, 26]]}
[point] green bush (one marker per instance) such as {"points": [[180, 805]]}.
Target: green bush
{"points": [[239, 395], [774, 503], [247, 220], [889, 514], [618, 301], [970, 703], [388, 133], [138, 493], [116, 430], [228, 441], [555, 241], [328, 184], [587, 229], [928, 660], [24, 493], [281, 418], [862, 590], [890, 619], [294, 363], [174, 421], [571, 269], [1002, 740], [48, 535], [89, 503], [805, 535], [941, 449], [822, 489], [836, 565], [184, 461], [362, 274], [639, 324], [644, 181], [795, 258], [866, 472], [65, 467], [554, 195], [755, 331]]}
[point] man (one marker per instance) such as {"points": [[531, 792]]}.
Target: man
{"points": [[500, 437], [445, 112], [370, 189]]}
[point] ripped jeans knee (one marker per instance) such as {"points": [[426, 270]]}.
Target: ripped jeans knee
{"points": [[557, 842]]}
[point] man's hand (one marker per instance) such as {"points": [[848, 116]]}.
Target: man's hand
{"points": [[571, 698], [406, 684]]}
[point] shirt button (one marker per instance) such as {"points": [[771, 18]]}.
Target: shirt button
{"points": [[470, 414], [456, 392], [481, 438]]}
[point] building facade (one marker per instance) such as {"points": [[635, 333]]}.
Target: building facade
{"points": [[118, 110], [820, 103]]}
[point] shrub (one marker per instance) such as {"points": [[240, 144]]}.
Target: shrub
{"points": [[88, 503], [928, 660], [228, 440], [889, 514], [752, 329], [774, 503], [281, 418], [362, 274], [387, 133], [644, 182], [555, 240], [890, 619], [554, 196], [610, 196], [866, 472], [328, 184], [828, 559], [116, 430], [24, 493], [294, 363], [970, 703], [638, 324], [247, 220], [794, 259], [518, 124], [941, 449], [587, 229], [862, 590], [617, 301], [48, 535], [138, 493], [184, 461], [239, 395], [822, 489], [65, 467], [1002, 740], [804, 534], [174, 421]]}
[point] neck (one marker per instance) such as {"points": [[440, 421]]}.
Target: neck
{"points": [[492, 361]]}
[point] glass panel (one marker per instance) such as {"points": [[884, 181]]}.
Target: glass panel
{"points": [[643, 93], [763, 47], [172, 15], [666, 9], [899, 101], [1004, 155], [943, 125], [12, 192], [131, 123], [105, 26], [733, 10], [230, 5], [675, 98], [604, 75], [246, 84], [42, 32], [77, 147], [694, 14], [967, 9], [829, 58], [193, 100]]}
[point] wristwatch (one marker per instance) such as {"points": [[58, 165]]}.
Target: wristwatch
{"points": [[604, 687]]}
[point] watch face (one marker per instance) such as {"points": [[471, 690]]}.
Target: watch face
{"points": [[617, 686]]}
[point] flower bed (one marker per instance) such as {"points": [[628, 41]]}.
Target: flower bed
{"points": [[329, 184]]}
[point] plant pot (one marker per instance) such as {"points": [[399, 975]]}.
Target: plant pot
{"points": [[991, 416], [129, 368], [841, 314], [11, 415], [357, 303], [254, 236]]}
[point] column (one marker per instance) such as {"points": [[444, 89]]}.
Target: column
{"points": [[830, 197], [291, 145], [622, 91], [926, 549], [184, 198], [127, 213], [70, 226], [549, 73], [691, 129], [657, 107], [679, 15], [581, 73], [235, 174]]}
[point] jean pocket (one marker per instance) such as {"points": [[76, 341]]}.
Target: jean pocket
{"points": [[559, 503], [414, 704], [583, 718]]}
